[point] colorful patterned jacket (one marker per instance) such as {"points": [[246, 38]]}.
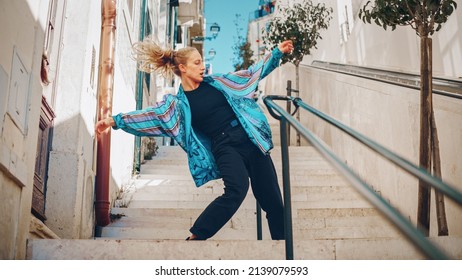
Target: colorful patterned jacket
{"points": [[172, 117]]}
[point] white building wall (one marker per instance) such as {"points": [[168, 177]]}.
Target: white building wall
{"points": [[72, 160], [387, 114], [22, 34], [124, 95], [370, 45], [70, 186]]}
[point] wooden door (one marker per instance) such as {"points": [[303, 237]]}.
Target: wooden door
{"points": [[41, 160]]}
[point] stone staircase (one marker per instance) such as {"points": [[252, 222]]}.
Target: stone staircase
{"points": [[330, 220]]}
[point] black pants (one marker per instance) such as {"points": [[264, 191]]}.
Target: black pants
{"points": [[238, 159]]}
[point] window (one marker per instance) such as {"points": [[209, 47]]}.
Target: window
{"points": [[93, 67], [49, 74], [49, 33], [129, 13], [147, 33], [130, 7], [345, 19], [18, 96], [3, 93], [52, 48]]}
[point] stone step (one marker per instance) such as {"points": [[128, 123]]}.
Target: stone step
{"points": [[165, 182], [319, 223], [335, 249], [249, 203], [306, 170], [200, 201], [166, 151], [247, 213], [180, 165], [104, 249], [232, 233], [169, 212], [176, 156], [295, 180], [295, 158], [156, 193], [164, 203], [248, 222]]}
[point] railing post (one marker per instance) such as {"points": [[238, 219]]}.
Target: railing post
{"points": [[259, 228], [286, 191], [288, 108]]}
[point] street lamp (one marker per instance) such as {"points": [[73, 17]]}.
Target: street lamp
{"points": [[208, 64], [212, 53], [214, 29]]}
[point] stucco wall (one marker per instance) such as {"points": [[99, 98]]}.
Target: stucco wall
{"points": [[388, 114], [71, 172], [370, 45], [21, 25]]}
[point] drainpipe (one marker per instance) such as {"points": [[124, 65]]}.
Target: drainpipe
{"points": [[139, 87], [106, 82]]}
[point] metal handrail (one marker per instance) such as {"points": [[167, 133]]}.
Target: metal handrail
{"points": [[412, 233], [406, 165], [407, 80]]}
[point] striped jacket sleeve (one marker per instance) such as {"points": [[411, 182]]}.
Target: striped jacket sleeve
{"points": [[162, 119], [266, 65], [245, 82]]}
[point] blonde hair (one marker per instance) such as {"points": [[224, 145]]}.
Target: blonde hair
{"points": [[152, 58]]}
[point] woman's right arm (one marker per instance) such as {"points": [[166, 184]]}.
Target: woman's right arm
{"points": [[104, 124], [159, 120]]}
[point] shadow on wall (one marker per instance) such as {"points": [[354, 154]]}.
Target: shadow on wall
{"points": [[389, 115], [21, 44], [71, 176]]}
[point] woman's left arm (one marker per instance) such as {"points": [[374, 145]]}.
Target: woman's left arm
{"points": [[270, 61], [244, 82]]}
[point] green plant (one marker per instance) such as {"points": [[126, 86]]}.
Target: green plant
{"points": [[115, 217], [426, 17], [245, 54], [124, 196], [302, 23], [150, 147], [242, 51]]}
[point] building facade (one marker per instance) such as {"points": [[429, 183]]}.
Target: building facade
{"points": [[388, 114], [50, 73]]}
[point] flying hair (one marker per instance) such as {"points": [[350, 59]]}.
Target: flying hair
{"points": [[153, 58]]}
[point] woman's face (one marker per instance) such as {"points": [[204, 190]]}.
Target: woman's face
{"points": [[194, 68]]}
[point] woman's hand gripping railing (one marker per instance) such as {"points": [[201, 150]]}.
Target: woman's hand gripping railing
{"points": [[413, 234]]}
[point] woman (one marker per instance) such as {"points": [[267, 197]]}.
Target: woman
{"points": [[221, 128]]}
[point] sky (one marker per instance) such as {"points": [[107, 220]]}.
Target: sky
{"points": [[223, 12]]}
